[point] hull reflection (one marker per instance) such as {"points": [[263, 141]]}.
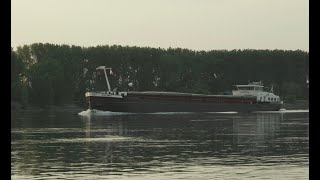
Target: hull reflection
{"points": [[153, 143], [224, 133]]}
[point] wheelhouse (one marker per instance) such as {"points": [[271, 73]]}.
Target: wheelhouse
{"points": [[256, 89]]}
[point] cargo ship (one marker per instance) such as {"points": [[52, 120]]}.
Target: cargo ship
{"points": [[245, 98]]}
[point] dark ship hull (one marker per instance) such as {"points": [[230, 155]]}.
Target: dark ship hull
{"points": [[147, 102]]}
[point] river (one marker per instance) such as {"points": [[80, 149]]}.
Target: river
{"points": [[105, 145]]}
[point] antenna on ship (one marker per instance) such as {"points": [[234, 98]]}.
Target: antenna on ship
{"points": [[106, 76]]}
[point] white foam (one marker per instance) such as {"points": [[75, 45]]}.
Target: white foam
{"points": [[296, 111], [96, 112], [227, 112], [285, 111], [100, 139], [170, 113]]}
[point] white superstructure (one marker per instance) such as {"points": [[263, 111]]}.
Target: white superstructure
{"points": [[256, 89]]}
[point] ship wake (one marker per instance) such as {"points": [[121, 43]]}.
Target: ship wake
{"points": [[96, 112], [285, 111]]}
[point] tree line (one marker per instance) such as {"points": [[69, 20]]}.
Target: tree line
{"points": [[51, 74]]}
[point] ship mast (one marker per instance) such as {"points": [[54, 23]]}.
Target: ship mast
{"points": [[106, 76]]}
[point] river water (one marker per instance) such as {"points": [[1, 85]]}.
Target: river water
{"points": [[105, 145]]}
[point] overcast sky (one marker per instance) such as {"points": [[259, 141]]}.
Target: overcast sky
{"points": [[192, 24]]}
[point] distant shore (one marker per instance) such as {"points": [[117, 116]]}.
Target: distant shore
{"points": [[298, 104], [15, 106]]}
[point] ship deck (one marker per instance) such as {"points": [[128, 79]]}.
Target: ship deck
{"points": [[161, 93]]}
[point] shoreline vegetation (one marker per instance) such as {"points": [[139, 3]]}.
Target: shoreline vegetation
{"points": [[16, 106], [52, 75]]}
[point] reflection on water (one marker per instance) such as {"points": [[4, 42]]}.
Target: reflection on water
{"points": [[160, 146]]}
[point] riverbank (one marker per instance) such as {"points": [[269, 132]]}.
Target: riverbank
{"points": [[15, 107], [298, 104]]}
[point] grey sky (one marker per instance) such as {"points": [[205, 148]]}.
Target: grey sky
{"points": [[193, 24]]}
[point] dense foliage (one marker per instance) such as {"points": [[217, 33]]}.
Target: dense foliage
{"points": [[46, 74]]}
